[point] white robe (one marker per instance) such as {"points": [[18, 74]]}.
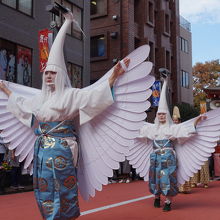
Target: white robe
{"points": [[166, 131], [85, 103]]}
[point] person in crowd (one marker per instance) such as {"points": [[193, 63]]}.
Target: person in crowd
{"points": [[2, 173], [11, 68], [124, 172], [3, 63], [16, 169], [201, 177]]}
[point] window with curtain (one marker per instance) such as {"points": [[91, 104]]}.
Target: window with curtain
{"points": [[184, 79], [184, 45], [98, 46]]}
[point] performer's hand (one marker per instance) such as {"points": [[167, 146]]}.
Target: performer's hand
{"points": [[4, 88], [119, 70], [200, 118]]}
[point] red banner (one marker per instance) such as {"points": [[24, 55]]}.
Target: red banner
{"points": [[45, 40], [24, 71]]}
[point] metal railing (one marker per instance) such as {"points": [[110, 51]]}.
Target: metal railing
{"points": [[185, 24]]}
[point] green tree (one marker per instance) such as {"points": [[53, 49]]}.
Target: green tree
{"points": [[204, 75]]}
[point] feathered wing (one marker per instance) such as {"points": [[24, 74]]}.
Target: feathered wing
{"points": [[193, 152], [19, 136], [105, 139], [139, 156]]}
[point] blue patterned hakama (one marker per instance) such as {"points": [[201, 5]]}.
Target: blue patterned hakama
{"points": [[163, 165], [55, 181]]}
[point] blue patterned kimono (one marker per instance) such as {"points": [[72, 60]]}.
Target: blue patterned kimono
{"points": [[163, 165], [55, 180]]}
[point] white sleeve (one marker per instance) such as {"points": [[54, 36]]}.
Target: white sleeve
{"points": [[89, 103], [20, 107], [183, 132], [95, 101], [146, 131]]}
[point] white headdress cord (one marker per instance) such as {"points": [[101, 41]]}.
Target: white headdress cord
{"points": [[77, 24]]}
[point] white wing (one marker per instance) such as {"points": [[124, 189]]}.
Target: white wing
{"points": [[139, 156], [18, 135], [192, 153], [105, 139]]}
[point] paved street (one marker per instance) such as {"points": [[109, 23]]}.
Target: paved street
{"points": [[121, 201]]}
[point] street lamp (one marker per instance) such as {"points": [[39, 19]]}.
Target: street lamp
{"points": [[55, 9]]}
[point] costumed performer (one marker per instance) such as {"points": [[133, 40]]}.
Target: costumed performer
{"points": [[56, 150], [161, 137]]}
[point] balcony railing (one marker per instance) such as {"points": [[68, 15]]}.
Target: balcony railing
{"points": [[185, 24]]}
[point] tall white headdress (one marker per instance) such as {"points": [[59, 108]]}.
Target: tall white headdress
{"points": [[56, 61], [163, 107]]}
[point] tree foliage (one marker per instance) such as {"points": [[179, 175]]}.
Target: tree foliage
{"points": [[204, 75]]}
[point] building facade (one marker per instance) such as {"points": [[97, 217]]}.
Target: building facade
{"points": [[118, 27], [19, 41], [186, 80]]}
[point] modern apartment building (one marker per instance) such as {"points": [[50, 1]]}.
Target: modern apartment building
{"points": [[118, 27], [20, 24], [186, 81]]}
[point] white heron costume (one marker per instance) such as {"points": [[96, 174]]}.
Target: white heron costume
{"points": [[106, 128], [169, 154]]}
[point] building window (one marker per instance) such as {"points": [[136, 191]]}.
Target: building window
{"points": [[10, 3], [184, 45], [152, 50], [75, 74], [167, 59], [98, 46], [150, 13], [167, 24], [98, 8], [15, 63], [77, 13], [25, 6], [184, 79]]}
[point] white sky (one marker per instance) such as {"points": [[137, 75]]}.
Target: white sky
{"points": [[204, 16], [197, 11]]}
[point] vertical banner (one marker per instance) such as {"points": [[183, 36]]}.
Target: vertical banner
{"points": [[24, 71], [156, 88], [45, 41], [203, 108]]}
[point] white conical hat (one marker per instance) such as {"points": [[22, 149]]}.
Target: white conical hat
{"points": [[163, 107], [56, 62]]}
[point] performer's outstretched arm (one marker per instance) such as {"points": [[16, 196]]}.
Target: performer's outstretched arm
{"points": [[5, 89]]}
